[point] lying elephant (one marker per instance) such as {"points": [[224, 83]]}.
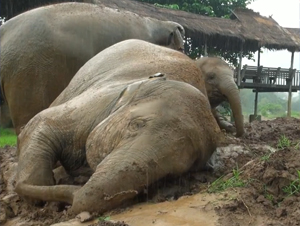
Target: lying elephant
{"points": [[131, 130], [42, 49], [220, 86]]}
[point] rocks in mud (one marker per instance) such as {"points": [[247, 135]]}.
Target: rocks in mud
{"points": [[84, 216], [9, 207]]}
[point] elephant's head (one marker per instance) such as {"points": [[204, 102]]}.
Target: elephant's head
{"points": [[157, 128], [175, 33], [221, 87]]}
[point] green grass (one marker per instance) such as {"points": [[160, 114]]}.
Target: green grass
{"points": [[266, 157], [220, 184], [7, 137], [283, 142], [293, 187], [104, 218]]}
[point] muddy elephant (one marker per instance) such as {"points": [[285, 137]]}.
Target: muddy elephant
{"points": [[220, 86], [42, 49], [124, 117]]}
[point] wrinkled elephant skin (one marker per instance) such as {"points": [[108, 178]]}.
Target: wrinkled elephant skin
{"points": [[42, 49], [220, 86], [132, 130]]}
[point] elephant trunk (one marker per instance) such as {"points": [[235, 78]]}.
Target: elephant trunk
{"points": [[230, 90], [118, 178]]}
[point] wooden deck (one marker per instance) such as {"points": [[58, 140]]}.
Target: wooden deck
{"points": [[268, 79]]}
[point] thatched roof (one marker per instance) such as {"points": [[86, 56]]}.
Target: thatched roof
{"points": [[222, 33], [294, 33], [262, 31], [245, 27]]}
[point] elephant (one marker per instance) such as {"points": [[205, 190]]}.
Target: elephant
{"points": [[128, 119], [42, 49], [220, 86]]}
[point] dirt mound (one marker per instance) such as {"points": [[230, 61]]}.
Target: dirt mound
{"points": [[269, 194], [269, 132]]}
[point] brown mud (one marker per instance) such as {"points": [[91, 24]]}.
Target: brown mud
{"points": [[266, 168]]}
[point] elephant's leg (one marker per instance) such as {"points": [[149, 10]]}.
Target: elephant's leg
{"points": [[223, 124], [34, 90], [5, 119], [39, 150]]}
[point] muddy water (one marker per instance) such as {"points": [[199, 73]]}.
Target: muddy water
{"points": [[196, 210]]}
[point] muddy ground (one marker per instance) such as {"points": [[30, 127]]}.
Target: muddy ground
{"points": [[265, 169]]}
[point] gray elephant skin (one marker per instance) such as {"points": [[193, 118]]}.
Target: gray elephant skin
{"points": [[42, 49], [122, 122], [220, 86]]}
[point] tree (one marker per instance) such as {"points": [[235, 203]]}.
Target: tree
{"points": [[215, 8]]}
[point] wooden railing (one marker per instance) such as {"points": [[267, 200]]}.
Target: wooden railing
{"points": [[269, 76]]}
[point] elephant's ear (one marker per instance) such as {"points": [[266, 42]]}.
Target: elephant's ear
{"points": [[128, 94]]}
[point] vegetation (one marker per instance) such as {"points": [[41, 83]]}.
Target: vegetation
{"points": [[7, 137], [283, 142], [270, 105], [220, 184], [293, 187], [104, 218], [266, 157]]}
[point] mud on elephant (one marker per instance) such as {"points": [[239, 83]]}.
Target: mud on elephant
{"points": [[42, 49], [125, 118]]}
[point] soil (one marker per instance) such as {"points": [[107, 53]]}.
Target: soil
{"points": [[265, 166]]}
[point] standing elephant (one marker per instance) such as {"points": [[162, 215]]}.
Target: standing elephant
{"points": [[42, 49], [220, 86], [126, 117]]}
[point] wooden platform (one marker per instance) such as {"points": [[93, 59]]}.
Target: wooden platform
{"points": [[268, 79]]}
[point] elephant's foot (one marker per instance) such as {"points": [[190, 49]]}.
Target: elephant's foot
{"points": [[227, 126], [223, 123]]}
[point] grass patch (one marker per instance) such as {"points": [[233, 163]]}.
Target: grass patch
{"points": [[7, 137], [266, 157], [104, 218], [221, 184], [293, 187], [283, 142]]}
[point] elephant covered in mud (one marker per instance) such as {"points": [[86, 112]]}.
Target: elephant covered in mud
{"points": [[220, 86], [42, 49], [124, 117]]}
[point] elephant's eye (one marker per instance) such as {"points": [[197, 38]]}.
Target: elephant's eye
{"points": [[136, 124], [210, 76]]}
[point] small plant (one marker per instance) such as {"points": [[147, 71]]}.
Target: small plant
{"points": [[293, 187], [270, 197], [283, 142], [220, 184], [297, 146], [266, 157], [104, 218]]}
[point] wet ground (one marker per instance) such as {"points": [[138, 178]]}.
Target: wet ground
{"points": [[261, 175]]}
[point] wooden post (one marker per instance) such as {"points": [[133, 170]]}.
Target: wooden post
{"points": [[256, 93], [240, 66], [255, 103], [258, 58], [205, 48], [289, 107]]}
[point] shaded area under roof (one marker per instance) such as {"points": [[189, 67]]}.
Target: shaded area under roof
{"points": [[245, 27]]}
